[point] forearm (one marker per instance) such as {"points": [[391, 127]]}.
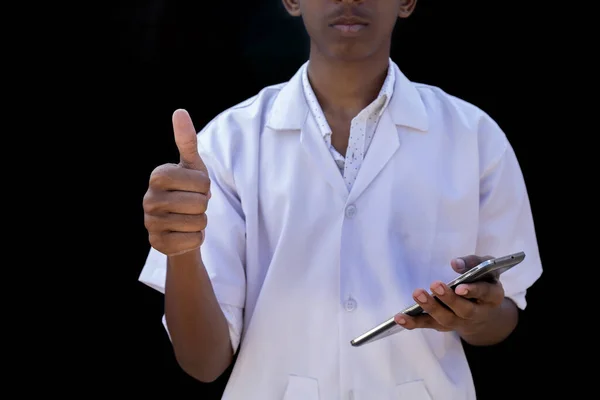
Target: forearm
{"points": [[500, 325], [197, 326]]}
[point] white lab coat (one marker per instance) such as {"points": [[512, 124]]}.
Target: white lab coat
{"points": [[314, 265]]}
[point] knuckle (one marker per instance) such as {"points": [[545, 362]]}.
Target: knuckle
{"points": [[158, 179], [146, 200], [149, 222], [160, 176], [148, 203], [202, 176], [152, 205], [185, 242], [173, 243], [156, 241], [192, 223], [446, 319], [202, 205], [428, 323], [155, 224], [196, 239], [203, 181]]}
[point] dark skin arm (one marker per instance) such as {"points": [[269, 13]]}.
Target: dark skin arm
{"points": [[198, 328], [478, 312]]}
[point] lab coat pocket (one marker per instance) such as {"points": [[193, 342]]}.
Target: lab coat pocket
{"points": [[301, 388], [414, 390]]}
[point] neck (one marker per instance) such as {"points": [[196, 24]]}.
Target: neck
{"points": [[344, 88]]}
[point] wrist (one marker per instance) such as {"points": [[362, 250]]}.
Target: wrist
{"points": [[190, 257]]}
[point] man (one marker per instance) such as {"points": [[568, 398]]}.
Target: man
{"points": [[306, 215]]}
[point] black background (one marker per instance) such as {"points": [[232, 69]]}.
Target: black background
{"points": [[207, 56]]}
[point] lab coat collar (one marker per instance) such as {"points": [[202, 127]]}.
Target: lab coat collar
{"points": [[406, 107]]}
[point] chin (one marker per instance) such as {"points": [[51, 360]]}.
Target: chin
{"points": [[350, 53], [351, 50]]}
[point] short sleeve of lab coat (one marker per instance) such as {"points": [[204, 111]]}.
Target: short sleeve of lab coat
{"points": [[506, 222]]}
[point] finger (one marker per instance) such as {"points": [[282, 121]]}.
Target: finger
{"points": [[484, 292], [422, 321], [175, 202], [463, 264], [175, 222], [187, 141], [460, 306], [434, 308], [177, 242], [173, 177]]}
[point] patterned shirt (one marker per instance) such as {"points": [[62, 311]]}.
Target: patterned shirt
{"points": [[362, 127]]}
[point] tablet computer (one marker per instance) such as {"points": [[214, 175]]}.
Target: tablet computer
{"points": [[488, 270]]}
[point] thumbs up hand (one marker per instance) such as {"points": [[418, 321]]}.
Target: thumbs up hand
{"points": [[177, 196]]}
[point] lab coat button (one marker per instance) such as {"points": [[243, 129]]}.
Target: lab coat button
{"points": [[351, 211], [350, 304]]}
